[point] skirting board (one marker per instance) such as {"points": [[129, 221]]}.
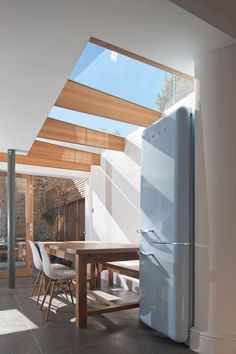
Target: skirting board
{"points": [[208, 343]]}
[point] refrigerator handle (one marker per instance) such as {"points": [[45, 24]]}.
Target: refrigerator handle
{"points": [[140, 231], [147, 254]]}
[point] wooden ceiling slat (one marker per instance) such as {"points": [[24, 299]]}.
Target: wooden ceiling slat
{"points": [[25, 160], [56, 130], [84, 99], [61, 153], [139, 58]]}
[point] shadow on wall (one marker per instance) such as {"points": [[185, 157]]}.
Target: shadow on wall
{"points": [[121, 182], [133, 150], [115, 216], [115, 193]]}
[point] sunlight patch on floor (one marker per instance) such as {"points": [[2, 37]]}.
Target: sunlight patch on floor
{"points": [[13, 321], [57, 302]]}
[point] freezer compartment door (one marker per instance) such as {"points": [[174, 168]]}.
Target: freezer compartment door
{"points": [[165, 289]]}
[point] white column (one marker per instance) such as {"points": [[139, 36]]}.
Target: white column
{"points": [[214, 330]]}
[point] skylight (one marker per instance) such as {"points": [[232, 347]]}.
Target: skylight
{"points": [[118, 75], [127, 78], [109, 126]]}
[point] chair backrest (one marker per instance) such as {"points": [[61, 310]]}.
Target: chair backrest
{"points": [[36, 257], [47, 267]]}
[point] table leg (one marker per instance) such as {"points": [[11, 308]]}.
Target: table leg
{"points": [[98, 275], [92, 276], [110, 278], [81, 291]]}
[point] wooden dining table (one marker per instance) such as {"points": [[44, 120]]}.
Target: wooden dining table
{"points": [[83, 253]]}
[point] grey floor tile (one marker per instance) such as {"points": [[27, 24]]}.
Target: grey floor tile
{"points": [[106, 347], [151, 343], [114, 333], [19, 343]]}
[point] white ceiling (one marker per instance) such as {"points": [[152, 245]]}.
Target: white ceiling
{"points": [[46, 171], [41, 41], [220, 14]]}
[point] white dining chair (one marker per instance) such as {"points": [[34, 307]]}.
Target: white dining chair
{"points": [[39, 266], [62, 279]]}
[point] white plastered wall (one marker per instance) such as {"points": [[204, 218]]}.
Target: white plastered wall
{"points": [[214, 329], [113, 194], [113, 191]]}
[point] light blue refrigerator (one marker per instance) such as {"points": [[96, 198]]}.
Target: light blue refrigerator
{"points": [[166, 225]]}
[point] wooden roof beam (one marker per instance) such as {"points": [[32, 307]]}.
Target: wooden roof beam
{"points": [[47, 151], [85, 99], [61, 131], [26, 160]]}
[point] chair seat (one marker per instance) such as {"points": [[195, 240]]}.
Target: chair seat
{"points": [[60, 274]]}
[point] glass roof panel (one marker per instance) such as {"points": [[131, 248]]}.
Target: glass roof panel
{"points": [[109, 126], [118, 75], [121, 76], [128, 78]]}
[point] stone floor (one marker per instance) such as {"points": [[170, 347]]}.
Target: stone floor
{"points": [[24, 331]]}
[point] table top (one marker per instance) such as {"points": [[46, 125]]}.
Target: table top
{"points": [[89, 247]]}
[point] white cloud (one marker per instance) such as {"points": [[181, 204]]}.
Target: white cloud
{"points": [[113, 56]]}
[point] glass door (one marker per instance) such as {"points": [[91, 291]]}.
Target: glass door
{"points": [[23, 224]]}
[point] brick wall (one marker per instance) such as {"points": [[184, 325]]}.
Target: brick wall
{"points": [[3, 206], [20, 207], [49, 195]]}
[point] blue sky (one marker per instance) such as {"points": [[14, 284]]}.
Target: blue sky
{"points": [[93, 122], [117, 75]]}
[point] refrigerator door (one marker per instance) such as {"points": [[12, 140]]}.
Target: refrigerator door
{"points": [[166, 225], [166, 172], [164, 289]]}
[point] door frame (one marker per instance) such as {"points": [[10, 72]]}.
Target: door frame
{"points": [[29, 232]]}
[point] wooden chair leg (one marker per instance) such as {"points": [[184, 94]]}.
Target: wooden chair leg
{"points": [[73, 286], [70, 286], [40, 287], [46, 292], [64, 289], [50, 300], [35, 283]]}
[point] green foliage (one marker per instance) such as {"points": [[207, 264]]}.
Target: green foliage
{"points": [[49, 215], [40, 235], [114, 132], [166, 96]]}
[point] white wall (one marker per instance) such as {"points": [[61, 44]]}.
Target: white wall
{"points": [[113, 191], [214, 331], [113, 194], [39, 46], [45, 171]]}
